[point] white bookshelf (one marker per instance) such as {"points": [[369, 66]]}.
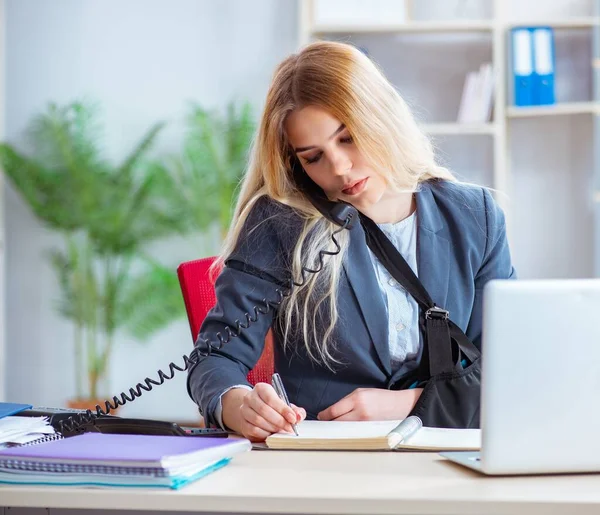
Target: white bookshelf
{"points": [[562, 108], [450, 26], [414, 26], [457, 128], [537, 156], [583, 22]]}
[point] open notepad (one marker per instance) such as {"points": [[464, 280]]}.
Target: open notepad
{"points": [[408, 434]]}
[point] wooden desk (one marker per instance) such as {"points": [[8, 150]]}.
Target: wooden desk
{"points": [[328, 482]]}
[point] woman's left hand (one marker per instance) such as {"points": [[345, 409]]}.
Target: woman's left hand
{"points": [[373, 404]]}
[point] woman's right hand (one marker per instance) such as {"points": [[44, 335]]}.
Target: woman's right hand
{"points": [[259, 413]]}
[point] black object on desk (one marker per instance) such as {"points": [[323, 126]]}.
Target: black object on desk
{"points": [[118, 425], [135, 426]]}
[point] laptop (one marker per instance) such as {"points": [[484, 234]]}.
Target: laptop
{"points": [[540, 393]]}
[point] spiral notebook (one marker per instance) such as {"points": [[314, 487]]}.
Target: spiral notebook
{"points": [[15, 431], [118, 460], [407, 434]]}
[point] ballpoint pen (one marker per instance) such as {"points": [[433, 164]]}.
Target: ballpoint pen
{"points": [[277, 384]]}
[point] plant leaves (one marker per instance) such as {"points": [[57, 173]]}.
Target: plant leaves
{"points": [[152, 301]]}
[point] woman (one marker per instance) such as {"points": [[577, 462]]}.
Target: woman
{"points": [[347, 341]]}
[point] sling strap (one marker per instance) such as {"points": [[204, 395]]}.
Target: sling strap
{"points": [[439, 330]]}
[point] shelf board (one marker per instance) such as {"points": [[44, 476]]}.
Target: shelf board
{"points": [[459, 128], [413, 26], [581, 22], [556, 109]]}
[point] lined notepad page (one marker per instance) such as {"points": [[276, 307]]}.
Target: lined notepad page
{"points": [[323, 430], [435, 438], [373, 435]]}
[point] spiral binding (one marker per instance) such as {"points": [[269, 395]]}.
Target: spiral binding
{"points": [[43, 439], [76, 424], [72, 468]]}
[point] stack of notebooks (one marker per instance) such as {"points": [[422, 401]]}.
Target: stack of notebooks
{"points": [[97, 459], [408, 435]]}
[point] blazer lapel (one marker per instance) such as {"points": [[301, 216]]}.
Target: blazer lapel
{"points": [[363, 281], [433, 248]]}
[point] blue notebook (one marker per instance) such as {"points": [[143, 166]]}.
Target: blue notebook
{"points": [[10, 408]]}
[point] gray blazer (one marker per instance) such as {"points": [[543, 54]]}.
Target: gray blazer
{"points": [[461, 244]]}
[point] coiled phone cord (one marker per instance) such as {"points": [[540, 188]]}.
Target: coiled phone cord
{"points": [[76, 423]]}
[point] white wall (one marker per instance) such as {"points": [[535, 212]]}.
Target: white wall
{"points": [[2, 257], [144, 60]]}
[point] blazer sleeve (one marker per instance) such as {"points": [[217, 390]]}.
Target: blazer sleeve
{"points": [[495, 264], [254, 271]]}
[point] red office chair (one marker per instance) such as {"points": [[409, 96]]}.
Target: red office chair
{"points": [[199, 297]]}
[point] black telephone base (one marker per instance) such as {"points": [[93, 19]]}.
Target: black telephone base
{"points": [[115, 424]]}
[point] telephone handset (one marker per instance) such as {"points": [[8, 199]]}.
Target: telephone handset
{"points": [[338, 212], [342, 214]]}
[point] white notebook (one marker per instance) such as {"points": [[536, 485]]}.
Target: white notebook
{"points": [[407, 434], [16, 430]]}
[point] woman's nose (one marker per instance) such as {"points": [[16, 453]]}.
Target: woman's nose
{"points": [[341, 164]]}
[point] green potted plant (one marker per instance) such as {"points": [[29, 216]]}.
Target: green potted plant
{"points": [[201, 186], [106, 215]]}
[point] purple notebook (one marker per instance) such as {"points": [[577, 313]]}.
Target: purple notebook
{"points": [[129, 450]]}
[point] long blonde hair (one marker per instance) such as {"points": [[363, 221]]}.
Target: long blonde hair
{"points": [[342, 80]]}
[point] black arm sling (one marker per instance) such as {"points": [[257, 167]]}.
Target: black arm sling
{"points": [[450, 364]]}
